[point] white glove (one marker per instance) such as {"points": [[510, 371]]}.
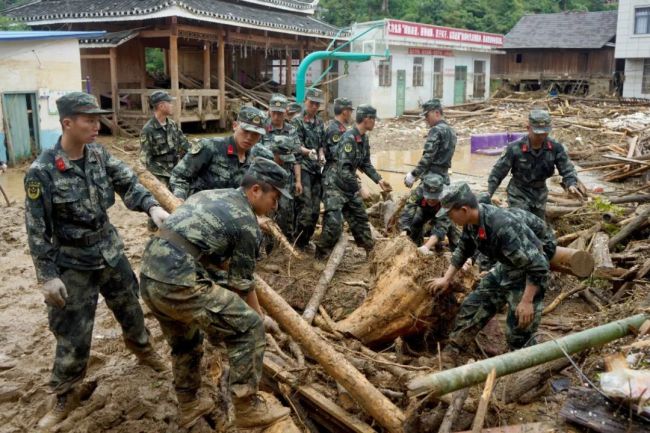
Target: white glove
{"points": [[313, 155], [3, 167], [575, 191], [409, 180], [55, 293], [425, 250], [158, 215]]}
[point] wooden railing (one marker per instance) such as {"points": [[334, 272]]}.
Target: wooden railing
{"points": [[196, 104]]}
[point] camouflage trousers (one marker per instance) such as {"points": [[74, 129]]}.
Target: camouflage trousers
{"points": [[531, 199], [418, 227], [501, 286], [307, 207], [72, 325], [285, 215], [338, 206], [187, 313]]}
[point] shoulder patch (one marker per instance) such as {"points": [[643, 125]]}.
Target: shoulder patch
{"points": [[33, 189], [348, 147], [196, 147], [336, 138]]}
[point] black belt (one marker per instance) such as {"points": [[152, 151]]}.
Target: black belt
{"points": [[87, 240], [189, 248], [523, 184], [166, 158]]}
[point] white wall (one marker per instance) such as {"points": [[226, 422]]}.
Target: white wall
{"points": [[49, 68], [627, 43], [362, 84], [633, 79]]}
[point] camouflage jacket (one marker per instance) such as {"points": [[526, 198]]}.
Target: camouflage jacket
{"points": [[312, 136], [333, 134], [353, 154], [539, 227], [530, 168], [415, 204], [222, 225], [161, 147], [438, 151], [66, 207], [502, 237], [287, 129], [210, 164]]}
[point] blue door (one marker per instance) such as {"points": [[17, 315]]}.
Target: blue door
{"points": [[21, 126]]}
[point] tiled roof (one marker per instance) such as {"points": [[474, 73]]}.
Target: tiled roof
{"points": [[251, 13], [563, 30], [108, 40]]}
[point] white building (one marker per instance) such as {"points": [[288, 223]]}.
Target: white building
{"points": [[37, 67], [426, 62], [633, 45]]}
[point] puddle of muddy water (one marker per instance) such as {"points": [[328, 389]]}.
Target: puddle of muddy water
{"points": [[12, 184]]}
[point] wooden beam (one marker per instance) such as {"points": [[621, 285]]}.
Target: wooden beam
{"points": [[155, 33], [142, 65], [221, 70], [206, 64], [198, 29], [114, 94], [95, 57], [287, 90], [173, 73]]}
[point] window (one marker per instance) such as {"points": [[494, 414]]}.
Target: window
{"points": [[479, 78], [642, 21], [418, 71], [437, 78], [385, 73], [645, 83], [519, 58]]}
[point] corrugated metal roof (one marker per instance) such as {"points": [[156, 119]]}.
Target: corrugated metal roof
{"points": [[42, 34], [563, 30]]}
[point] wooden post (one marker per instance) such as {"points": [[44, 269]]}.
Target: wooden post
{"points": [[207, 47], [173, 71], [288, 74], [114, 93], [221, 61], [144, 99], [301, 53]]}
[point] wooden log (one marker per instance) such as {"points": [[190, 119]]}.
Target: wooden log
{"points": [[629, 229], [574, 262], [535, 427], [453, 410], [335, 364], [167, 200], [561, 297], [591, 299], [563, 240], [333, 263], [479, 419], [600, 251], [270, 227], [553, 212], [512, 388]]}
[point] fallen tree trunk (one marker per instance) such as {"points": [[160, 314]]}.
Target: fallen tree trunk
{"points": [[467, 375], [514, 387], [553, 212], [571, 261], [321, 288], [335, 364], [600, 251], [629, 229]]}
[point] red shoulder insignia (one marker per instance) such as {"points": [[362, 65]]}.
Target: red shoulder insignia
{"points": [[231, 150]]}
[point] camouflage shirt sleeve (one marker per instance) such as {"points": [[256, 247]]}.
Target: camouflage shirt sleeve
{"points": [[38, 221], [565, 167], [367, 167], [183, 142], [126, 184], [188, 169], [523, 255], [145, 145], [410, 209], [429, 153], [441, 227], [464, 250], [345, 170], [242, 262], [500, 170]]}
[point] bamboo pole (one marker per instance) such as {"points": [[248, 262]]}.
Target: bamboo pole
{"points": [[458, 378]]}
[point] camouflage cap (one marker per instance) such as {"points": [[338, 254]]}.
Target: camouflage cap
{"points": [[268, 171], [484, 198], [432, 185], [251, 119], [78, 103], [278, 102], [294, 107], [343, 103], [283, 146], [262, 151], [430, 105], [314, 95], [366, 110], [540, 121], [159, 96], [453, 194]]}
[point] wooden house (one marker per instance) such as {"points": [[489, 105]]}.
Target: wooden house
{"points": [[573, 50], [213, 50]]}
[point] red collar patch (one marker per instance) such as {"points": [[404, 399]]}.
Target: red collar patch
{"points": [[231, 150], [342, 127], [549, 146], [424, 202], [358, 138], [60, 163], [481, 234], [524, 147]]}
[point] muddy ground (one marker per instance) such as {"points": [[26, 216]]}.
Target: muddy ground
{"points": [[130, 398]]}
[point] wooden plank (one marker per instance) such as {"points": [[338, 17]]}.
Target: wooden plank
{"points": [[95, 57], [155, 33], [173, 73], [221, 72], [309, 393], [289, 60], [479, 419], [114, 93], [207, 47], [536, 427]]}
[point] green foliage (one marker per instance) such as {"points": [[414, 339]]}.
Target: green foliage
{"points": [[601, 204], [497, 16], [9, 24], [154, 59]]}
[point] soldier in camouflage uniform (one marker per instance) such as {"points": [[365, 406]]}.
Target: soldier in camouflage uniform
{"points": [[421, 208], [533, 159], [77, 252], [335, 129], [181, 278], [519, 278], [293, 109], [284, 149], [311, 132], [219, 162], [342, 198], [439, 147]]}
